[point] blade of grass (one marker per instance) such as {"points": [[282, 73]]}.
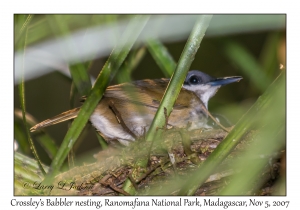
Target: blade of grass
{"points": [[26, 173], [48, 144], [28, 168], [124, 75], [22, 100], [250, 180], [270, 140], [80, 77], [174, 87], [176, 81], [73, 92], [110, 68], [161, 56], [24, 25], [102, 142], [247, 63], [78, 71], [21, 138]]}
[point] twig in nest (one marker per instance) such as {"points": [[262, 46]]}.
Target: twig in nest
{"points": [[212, 117], [148, 172], [104, 182], [120, 119], [119, 190]]}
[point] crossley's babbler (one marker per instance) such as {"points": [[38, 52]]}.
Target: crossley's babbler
{"points": [[126, 110]]}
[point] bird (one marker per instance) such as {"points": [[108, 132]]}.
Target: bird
{"points": [[126, 110]]}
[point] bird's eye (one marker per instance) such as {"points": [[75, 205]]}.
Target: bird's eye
{"points": [[194, 80]]}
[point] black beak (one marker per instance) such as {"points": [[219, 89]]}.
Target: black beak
{"points": [[224, 80]]}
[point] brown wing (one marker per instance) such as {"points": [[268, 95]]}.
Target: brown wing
{"points": [[146, 92], [137, 102]]}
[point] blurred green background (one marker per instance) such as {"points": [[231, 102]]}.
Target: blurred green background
{"points": [[251, 46]]}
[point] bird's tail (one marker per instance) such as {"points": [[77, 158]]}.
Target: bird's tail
{"points": [[68, 115]]}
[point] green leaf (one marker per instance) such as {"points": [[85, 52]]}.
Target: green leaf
{"points": [[248, 64], [23, 107], [162, 57], [42, 137]]}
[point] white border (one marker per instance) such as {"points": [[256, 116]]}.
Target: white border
{"points": [[133, 6]]}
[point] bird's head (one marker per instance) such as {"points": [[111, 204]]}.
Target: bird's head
{"points": [[206, 86]]}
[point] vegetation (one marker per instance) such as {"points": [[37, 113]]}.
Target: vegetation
{"points": [[249, 158]]}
